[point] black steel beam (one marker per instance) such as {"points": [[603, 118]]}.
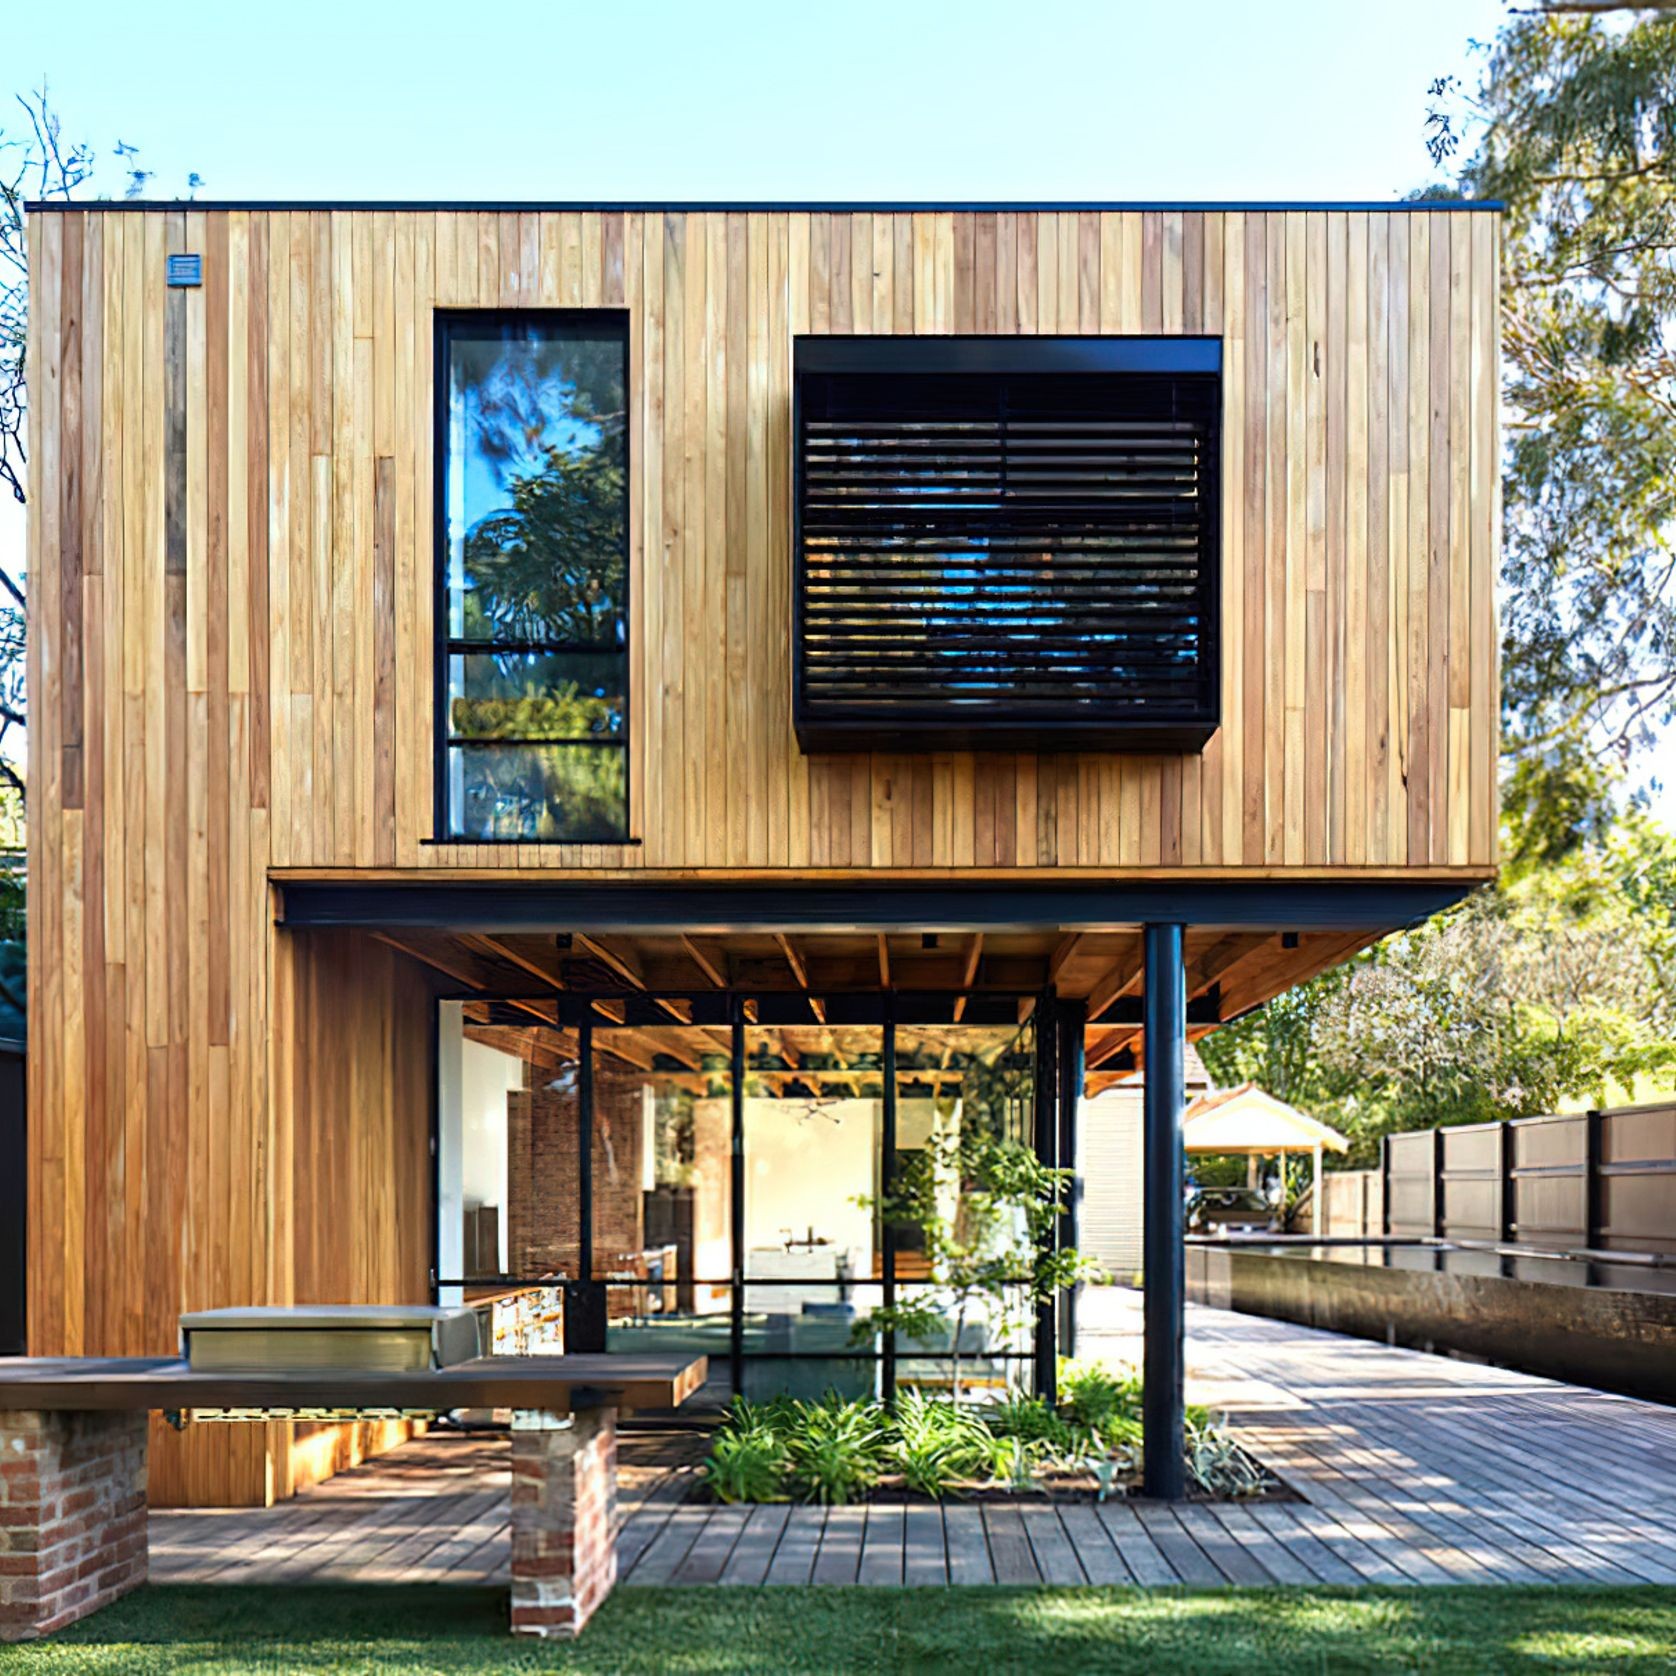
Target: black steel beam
{"points": [[865, 905], [1163, 1253]]}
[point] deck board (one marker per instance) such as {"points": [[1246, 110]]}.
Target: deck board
{"points": [[1412, 1469]]}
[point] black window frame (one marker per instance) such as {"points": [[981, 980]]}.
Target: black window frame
{"points": [[445, 323], [1185, 356]]}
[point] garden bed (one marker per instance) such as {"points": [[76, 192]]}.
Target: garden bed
{"points": [[924, 1449]]}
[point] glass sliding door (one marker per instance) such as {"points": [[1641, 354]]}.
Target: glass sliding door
{"points": [[813, 1261], [966, 1094], [661, 1189], [749, 1178], [508, 1127]]}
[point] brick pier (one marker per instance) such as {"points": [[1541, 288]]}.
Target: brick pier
{"points": [[72, 1516], [564, 1518]]}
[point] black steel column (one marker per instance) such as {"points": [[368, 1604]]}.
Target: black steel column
{"points": [[1073, 1017], [1047, 1150], [585, 1312], [736, 1196], [1164, 1019], [887, 1174]]}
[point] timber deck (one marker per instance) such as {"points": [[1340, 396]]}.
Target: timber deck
{"points": [[1414, 1469]]}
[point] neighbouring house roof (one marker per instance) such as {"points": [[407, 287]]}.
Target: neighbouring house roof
{"points": [[1194, 1074], [1249, 1119]]}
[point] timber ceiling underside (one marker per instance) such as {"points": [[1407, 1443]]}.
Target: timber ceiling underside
{"points": [[647, 992]]}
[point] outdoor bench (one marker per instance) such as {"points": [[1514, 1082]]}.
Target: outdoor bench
{"points": [[73, 1464]]}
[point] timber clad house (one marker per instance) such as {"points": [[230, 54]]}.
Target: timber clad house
{"points": [[566, 742]]}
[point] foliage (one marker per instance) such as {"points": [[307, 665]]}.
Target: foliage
{"points": [[1558, 986], [1101, 1403], [936, 1445], [745, 1466], [835, 1450], [986, 1211], [1028, 1420], [1575, 130], [552, 564], [1219, 1466], [563, 712]]}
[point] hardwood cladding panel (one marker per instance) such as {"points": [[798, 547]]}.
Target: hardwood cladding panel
{"points": [[354, 1164], [231, 636], [154, 1133], [295, 437]]}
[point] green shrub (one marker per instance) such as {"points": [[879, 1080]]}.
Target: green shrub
{"points": [[1219, 1466], [835, 1449], [1031, 1420], [1012, 1462], [1094, 1398], [935, 1444], [777, 1416], [746, 1466]]}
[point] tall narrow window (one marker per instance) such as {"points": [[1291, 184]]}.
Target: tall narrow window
{"points": [[532, 688]]}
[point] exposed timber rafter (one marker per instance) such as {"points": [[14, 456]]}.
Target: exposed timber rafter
{"points": [[706, 962], [969, 976], [457, 969], [800, 971], [1121, 979]]}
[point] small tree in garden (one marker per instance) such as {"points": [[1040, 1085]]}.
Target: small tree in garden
{"points": [[986, 1208]]}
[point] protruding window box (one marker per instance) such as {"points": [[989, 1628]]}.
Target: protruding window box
{"points": [[1007, 543]]}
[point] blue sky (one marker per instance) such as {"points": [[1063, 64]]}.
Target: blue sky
{"points": [[740, 98], [889, 99]]}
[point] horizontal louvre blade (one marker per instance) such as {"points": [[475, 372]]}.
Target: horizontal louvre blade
{"points": [[1007, 545]]}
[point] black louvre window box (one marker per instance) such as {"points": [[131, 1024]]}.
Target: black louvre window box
{"points": [[1007, 543]]}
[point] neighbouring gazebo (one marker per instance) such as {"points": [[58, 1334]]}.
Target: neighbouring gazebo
{"points": [[1250, 1120]]}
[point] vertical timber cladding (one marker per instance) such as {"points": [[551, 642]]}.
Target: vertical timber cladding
{"points": [[231, 625]]}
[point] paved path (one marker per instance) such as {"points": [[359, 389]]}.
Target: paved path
{"points": [[1415, 1469]]}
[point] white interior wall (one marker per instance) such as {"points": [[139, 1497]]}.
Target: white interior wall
{"points": [[486, 1077], [805, 1166], [450, 1242]]}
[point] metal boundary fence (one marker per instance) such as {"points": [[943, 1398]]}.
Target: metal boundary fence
{"points": [[1591, 1181]]}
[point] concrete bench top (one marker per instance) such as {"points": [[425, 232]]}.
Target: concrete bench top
{"points": [[324, 1317], [166, 1382]]}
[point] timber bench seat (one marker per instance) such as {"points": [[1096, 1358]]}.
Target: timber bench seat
{"points": [[73, 1464]]}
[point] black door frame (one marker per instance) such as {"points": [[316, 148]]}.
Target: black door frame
{"points": [[585, 1295]]}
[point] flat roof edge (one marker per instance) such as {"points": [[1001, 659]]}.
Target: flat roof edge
{"points": [[42, 206]]}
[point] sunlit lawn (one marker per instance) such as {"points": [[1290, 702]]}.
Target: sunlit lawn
{"points": [[977, 1632]]}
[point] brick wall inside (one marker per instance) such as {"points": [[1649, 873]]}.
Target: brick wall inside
{"points": [[543, 1192], [72, 1516]]}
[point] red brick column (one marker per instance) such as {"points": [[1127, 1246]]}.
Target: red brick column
{"points": [[564, 1518], [72, 1516]]}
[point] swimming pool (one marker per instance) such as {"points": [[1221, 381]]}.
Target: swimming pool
{"points": [[1601, 1319]]}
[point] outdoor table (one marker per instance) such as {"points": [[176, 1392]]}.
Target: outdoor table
{"points": [[73, 1464]]}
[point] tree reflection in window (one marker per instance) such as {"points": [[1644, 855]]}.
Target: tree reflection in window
{"points": [[534, 692]]}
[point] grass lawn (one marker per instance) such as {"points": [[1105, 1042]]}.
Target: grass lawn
{"points": [[196, 1630]]}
